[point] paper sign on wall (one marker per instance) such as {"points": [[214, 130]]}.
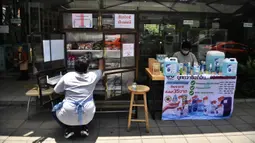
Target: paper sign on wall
{"points": [[124, 21], [82, 20], [128, 50]]}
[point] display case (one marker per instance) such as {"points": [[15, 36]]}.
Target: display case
{"points": [[89, 34]]}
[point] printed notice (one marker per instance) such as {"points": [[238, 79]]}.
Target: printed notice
{"points": [[124, 21], [128, 50]]}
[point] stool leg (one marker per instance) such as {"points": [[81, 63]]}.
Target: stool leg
{"points": [[146, 112], [51, 101], [28, 103], [130, 111]]}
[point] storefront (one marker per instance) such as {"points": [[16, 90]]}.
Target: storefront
{"points": [[127, 33]]}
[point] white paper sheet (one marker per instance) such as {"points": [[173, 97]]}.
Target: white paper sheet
{"points": [[46, 50], [128, 50], [57, 50]]}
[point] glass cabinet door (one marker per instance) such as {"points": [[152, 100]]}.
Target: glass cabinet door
{"points": [[119, 51]]}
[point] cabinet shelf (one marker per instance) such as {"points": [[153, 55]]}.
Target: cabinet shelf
{"points": [[97, 53], [83, 51]]}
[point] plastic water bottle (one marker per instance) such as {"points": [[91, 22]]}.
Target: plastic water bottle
{"points": [[217, 68], [134, 86], [210, 69], [202, 70], [69, 64], [181, 68], [188, 68], [73, 62]]}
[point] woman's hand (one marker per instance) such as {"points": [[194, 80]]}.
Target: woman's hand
{"points": [[101, 64]]}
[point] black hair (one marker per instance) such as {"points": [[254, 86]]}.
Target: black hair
{"points": [[81, 64], [186, 45]]}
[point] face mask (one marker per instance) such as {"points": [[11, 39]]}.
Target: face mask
{"points": [[185, 52]]}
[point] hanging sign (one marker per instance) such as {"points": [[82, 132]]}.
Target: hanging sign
{"points": [[188, 22], [198, 97], [126, 21], [16, 21], [249, 25], [215, 25], [128, 50]]}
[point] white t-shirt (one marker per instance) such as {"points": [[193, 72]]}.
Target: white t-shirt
{"points": [[185, 59], [77, 87]]}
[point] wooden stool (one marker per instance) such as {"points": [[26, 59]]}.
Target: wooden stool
{"points": [[34, 92], [140, 90]]}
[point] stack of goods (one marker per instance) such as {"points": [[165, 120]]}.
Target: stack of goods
{"points": [[154, 66], [85, 46], [215, 64]]}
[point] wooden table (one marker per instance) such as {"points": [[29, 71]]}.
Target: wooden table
{"points": [[155, 81], [155, 77]]}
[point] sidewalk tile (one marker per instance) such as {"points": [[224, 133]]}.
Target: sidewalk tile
{"points": [[245, 128], [95, 123], [239, 112], [235, 120], [15, 141], [131, 141], [251, 112], [248, 119], [229, 130], [171, 132], [162, 123], [184, 123], [132, 134], [107, 141], [202, 122], [6, 132], [109, 123], [175, 140], [154, 133], [124, 122], [17, 138], [12, 124], [210, 131], [220, 122], [51, 124], [243, 106], [3, 137], [153, 140], [251, 137], [239, 139], [219, 139], [31, 124], [152, 124], [197, 140], [108, 133], [191, 131]]}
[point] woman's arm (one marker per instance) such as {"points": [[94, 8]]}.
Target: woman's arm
{"points": [[59, 88], [101, 64], [100, 70]]}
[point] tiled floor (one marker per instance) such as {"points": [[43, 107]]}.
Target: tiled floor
{"points": [[111, 128]]}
